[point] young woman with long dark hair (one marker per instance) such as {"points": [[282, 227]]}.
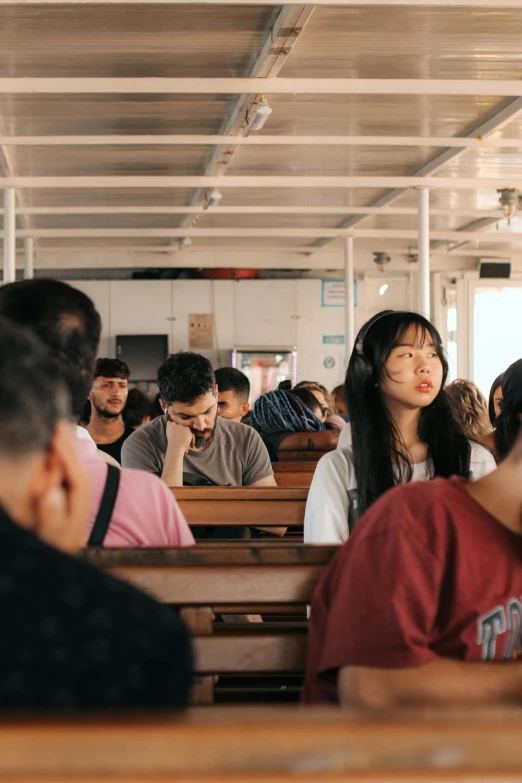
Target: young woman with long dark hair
{"points": [[507, 423], [402, 428]]}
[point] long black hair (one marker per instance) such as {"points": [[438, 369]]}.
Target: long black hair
{"points": [[508, 423], [380, 458], [497, 384]]}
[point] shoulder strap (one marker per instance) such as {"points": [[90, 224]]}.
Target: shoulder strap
{"points": [[103, 518]]}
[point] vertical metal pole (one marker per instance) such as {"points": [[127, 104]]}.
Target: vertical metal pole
{"points": [[29, 259], [349, 311], [9, 235], [424, 252]]}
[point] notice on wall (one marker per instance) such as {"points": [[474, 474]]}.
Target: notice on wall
{"points": [[333, 293], [201, 331]]}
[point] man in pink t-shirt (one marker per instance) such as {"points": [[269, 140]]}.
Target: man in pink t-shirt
{"points": [[145, 512], [423, 599]]}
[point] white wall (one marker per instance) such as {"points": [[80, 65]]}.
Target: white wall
{"points": [[247, 313]]}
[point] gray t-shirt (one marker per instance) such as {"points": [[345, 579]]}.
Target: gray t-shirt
{"points": [[237, 457]]}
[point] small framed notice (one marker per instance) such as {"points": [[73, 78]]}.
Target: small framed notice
{"points": [[333, 293], [201, 331]]}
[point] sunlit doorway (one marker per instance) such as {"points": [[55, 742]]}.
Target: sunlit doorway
{"points": [[497, 330]]}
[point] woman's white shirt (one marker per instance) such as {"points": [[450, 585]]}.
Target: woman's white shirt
{"points": [[333, 492]]}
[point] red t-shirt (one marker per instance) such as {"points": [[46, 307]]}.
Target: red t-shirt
{"points": [[427, 574]]}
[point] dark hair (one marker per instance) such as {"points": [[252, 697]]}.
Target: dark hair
{"points": [[136, 408], [33, 396], [285, 385], [185, 376], [508, 423], [65, 320], [491, 402], [380, 461], [309, 399], [155, 409], [230, 379], [85, 415], [111, 368]]}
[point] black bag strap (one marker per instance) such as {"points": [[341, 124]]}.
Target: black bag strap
{"points": [[103, 518]]}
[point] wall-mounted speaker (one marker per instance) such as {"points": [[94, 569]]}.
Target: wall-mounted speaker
{"points": [[498, 269]]}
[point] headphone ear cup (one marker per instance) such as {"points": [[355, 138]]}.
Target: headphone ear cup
{"points": [[363, 369]]}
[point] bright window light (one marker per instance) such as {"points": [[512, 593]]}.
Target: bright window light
{"points": [[497, 332], [383, 289]]}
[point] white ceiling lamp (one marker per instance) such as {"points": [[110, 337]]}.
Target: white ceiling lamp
{"points": [[212, 198], [509, 201], [185, 242], [383, 289], [260, 113]]}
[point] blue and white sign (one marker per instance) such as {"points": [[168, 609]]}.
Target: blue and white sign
{"points": [[333, 339], [333, 293]]}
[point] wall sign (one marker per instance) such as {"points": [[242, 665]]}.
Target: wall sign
{"points": [[333, 293], [201, 331], [329, 362], [333, 339]]}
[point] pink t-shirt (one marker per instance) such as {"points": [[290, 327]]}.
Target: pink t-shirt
{"points": [[145, 514]]}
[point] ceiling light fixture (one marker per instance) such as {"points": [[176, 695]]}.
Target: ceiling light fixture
{"points": [[260, 113], [185, 242], [509, 200], [212, 198], [381, 259]]}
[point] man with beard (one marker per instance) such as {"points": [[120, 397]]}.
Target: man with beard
{"points": [[108, 397], [190, 444]]}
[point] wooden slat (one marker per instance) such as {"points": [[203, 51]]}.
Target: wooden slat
{"points": [[294, 479], [239, 493], [300, 456], [266, 744], [233, 506], [252, 653]]}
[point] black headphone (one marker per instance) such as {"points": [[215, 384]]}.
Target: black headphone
{"points": [[361, 365]]}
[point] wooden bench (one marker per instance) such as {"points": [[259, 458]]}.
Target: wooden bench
{"points": [[300, 456], [293, 474], [265, 745], [234, 578], [244, 506]]}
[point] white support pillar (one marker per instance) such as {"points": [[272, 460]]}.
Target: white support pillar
{"points": [[424, 252], [9, 235], [349, 311], [29, 258]]}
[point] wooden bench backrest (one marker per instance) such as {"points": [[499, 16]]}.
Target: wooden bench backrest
{"points": [[268, 745], [293, 474], [223, 578], [300, 456], [252, 506]]}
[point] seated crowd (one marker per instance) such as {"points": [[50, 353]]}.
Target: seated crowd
{"points": [[402, 616]]}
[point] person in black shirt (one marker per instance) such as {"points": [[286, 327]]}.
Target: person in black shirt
{"points": [[108, 398], [71, 637]]}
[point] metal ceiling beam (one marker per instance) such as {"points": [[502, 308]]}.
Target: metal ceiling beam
{"points": [[501, 114], [244, 86], [248, 181], [476, 144], [279, 233], [255, 210]]}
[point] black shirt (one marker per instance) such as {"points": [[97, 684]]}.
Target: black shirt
{"points": [[114, 448], [72, 637]]}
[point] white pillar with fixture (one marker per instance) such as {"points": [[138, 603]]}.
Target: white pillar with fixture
{"points": [[9, 235], [424, 252], [349, 310], [29, 258]]}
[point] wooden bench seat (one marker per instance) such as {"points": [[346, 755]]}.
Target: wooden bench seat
{"points": [[250, 506], [265, 745], [232, 578], [293, 474]]}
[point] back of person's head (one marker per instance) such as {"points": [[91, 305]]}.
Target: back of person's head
{"points": [[184, 377], [469, 408], [155, 409], [380, 459], [65, 320], [137, 408], [339, 402], [111, 368], [285, 385], [33, 395], [230, 379], [322, 394], [311, 402], [508, 423], [280, 411], [495, 391]]}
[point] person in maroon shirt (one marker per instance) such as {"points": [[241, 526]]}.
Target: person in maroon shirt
{"points": [[424, 597]]}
